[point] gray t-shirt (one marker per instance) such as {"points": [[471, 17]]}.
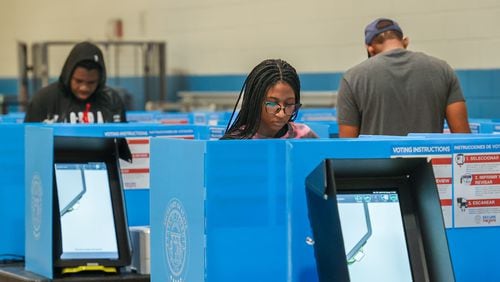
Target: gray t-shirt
{"points": [[397, 92]]}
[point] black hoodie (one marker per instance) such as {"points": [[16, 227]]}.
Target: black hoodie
{"points": [[56, 102]]}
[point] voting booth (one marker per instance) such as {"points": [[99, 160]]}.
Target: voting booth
{"points": [[64, 155], [237, 210], [73, 188]]}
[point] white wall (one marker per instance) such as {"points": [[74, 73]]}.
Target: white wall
{"points": [[232, 36]]}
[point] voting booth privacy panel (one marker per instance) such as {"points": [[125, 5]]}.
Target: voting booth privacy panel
{"points": [[222, 195], [12, 191], [236, 210]]}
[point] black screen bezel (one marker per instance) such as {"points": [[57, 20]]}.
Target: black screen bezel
{"points": [[118, 206]]}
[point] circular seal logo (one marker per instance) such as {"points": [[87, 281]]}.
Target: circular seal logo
{"points": [[176, 238], [36, 205]]}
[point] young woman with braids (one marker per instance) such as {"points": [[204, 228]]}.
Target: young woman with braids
{"points": [[271, 101]]}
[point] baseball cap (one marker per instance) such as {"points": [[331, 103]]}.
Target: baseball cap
{"points": [[378, 26]]}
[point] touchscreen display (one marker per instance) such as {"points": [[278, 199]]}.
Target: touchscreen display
{"points": [[87, 222], [374, 236]]}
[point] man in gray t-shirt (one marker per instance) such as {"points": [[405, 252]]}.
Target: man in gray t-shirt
{"points": [[396, 91]]}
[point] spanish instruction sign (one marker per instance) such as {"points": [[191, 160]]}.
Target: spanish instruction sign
{"points": [[476, 185]]}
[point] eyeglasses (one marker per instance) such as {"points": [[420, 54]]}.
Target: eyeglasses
{"points": [[274, 108]]}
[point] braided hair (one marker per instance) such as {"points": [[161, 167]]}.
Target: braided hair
{"points": [[262, 78]]}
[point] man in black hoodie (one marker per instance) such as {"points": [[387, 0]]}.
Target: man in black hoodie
{"points": [[80, 95]]}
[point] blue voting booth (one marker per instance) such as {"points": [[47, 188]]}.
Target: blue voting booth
{"points": [[99, 203], [37, 197], [236, 210], [472, 248], [12, 191]]}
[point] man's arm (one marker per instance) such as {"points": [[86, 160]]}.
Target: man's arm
{"points": [[456, 115], [348, 131], [347, 112]]}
